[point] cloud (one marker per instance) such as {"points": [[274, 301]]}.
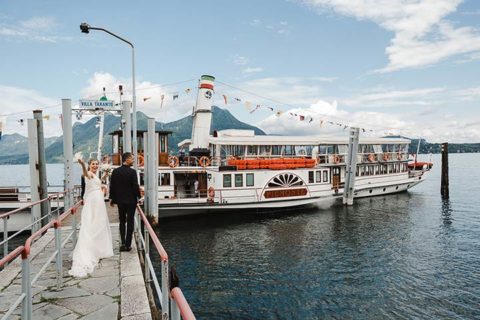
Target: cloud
{"points": [[422, 35], [38, 29], [451, 129], [169, 111], [252, 70], [240, 60], [18, 103], [281, 27], [394, 98]]}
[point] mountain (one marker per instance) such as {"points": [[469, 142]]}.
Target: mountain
{"points": [[14, 147]]}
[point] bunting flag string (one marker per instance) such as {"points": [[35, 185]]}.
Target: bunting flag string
{"points": [[225, 98]]}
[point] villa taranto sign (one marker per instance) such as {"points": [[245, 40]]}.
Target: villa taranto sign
{"points": [[88, 104]]}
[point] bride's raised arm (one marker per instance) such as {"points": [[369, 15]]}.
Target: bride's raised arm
{"points": [[84, 168]]}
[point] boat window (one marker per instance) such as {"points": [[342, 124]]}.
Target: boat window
{"points": [[227, 180], [318, 176], [239, 180], [276, 150], [371, 170], [288, 151], [325, 175], [164, 179], [342, 149], [311, 176], [265, 150], [300, 151], [249, 178], [252, 150], [390, 168], [377, 169], [377, 148]]}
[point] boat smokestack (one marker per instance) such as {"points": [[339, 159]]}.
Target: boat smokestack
{"points": [[202, 115]]}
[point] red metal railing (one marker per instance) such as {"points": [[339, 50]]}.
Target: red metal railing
{"points": [[179, 305]]}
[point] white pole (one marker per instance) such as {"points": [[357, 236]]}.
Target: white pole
{"points": [[68, 149], [127, 128], [134, 111], [34, 174], [100, 138]]}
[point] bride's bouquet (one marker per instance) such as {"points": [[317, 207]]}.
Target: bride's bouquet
{"points": [[105, 167], [77, 156]]}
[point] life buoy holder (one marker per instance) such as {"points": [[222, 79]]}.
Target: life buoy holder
{"points": [[386, 156], [204, 161], [173, 161], [211, 192], [336, 159], [371, 157], [140, 160]]}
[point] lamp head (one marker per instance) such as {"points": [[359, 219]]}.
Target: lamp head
{"points": [[85, 27]]}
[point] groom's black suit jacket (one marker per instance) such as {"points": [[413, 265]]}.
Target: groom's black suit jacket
{"points": [[124, 187]]}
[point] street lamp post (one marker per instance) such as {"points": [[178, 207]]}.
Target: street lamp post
{"points": [[85, 28]]}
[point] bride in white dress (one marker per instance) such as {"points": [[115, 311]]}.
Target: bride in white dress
{"points": [[95, 238]]}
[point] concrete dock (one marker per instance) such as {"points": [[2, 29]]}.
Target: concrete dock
{"points": [[115, 290]]}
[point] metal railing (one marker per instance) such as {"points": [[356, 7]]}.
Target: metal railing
{"points": [[26, 295], [172, 301]]}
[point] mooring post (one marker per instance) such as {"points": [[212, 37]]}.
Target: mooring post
{"points": [[42, 168], [444, 190]]}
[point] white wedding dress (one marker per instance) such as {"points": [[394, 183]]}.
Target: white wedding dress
{"points": [[95, 238]]}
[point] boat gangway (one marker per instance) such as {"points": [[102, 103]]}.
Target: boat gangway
{"points": [[34, 280]]}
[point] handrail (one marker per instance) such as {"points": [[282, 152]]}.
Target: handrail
{"points": [[12, 255], [182, 304], [9, 213], [156, 242]]}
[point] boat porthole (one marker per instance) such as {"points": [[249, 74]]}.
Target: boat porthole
{"points": [[408, 186], [419, 178], [384, 189], [370, 190], [396, 188]]}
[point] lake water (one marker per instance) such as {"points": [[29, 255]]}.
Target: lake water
{"points": [[403, 256]]}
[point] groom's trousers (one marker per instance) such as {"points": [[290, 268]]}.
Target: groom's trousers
{"points": [[126, 216]]}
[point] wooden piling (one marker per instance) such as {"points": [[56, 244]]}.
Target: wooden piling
{"points": [[444, 189]]}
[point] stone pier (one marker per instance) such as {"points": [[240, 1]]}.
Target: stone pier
{"points": [[115, 290]]}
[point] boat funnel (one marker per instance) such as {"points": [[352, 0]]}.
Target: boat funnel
{"points": [[202, 114]]}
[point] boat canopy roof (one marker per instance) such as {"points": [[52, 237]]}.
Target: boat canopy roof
{"points": [[248, 137]]}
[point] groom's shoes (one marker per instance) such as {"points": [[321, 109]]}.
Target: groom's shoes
{"points": [[125, 248]]}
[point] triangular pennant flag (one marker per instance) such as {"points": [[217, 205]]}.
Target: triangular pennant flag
{"points": [[145, 99], [302, 118], [279, 113], [239, 100], [225, 98], [321, 123], [248, 105], [162, 97], [311, 119], [175, 96], [258, 106], [187, 91], [271, 109], [46, 117]]}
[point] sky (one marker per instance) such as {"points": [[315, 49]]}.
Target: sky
{"points": [[407, 67]]}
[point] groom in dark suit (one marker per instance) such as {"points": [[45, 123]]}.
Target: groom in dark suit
{"points": [[125, 192]]}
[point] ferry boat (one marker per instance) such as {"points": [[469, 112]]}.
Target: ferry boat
{"points": [[236, 169]]}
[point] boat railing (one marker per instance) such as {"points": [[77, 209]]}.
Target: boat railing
{"points": [[25, 297], [35, 224], [172, 301]]}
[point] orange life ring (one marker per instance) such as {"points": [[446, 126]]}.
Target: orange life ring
{"points": [[204, 161], [336, 159], [173, 161], [211, 192], [371, 157], [140, 160], [386, 156]]}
